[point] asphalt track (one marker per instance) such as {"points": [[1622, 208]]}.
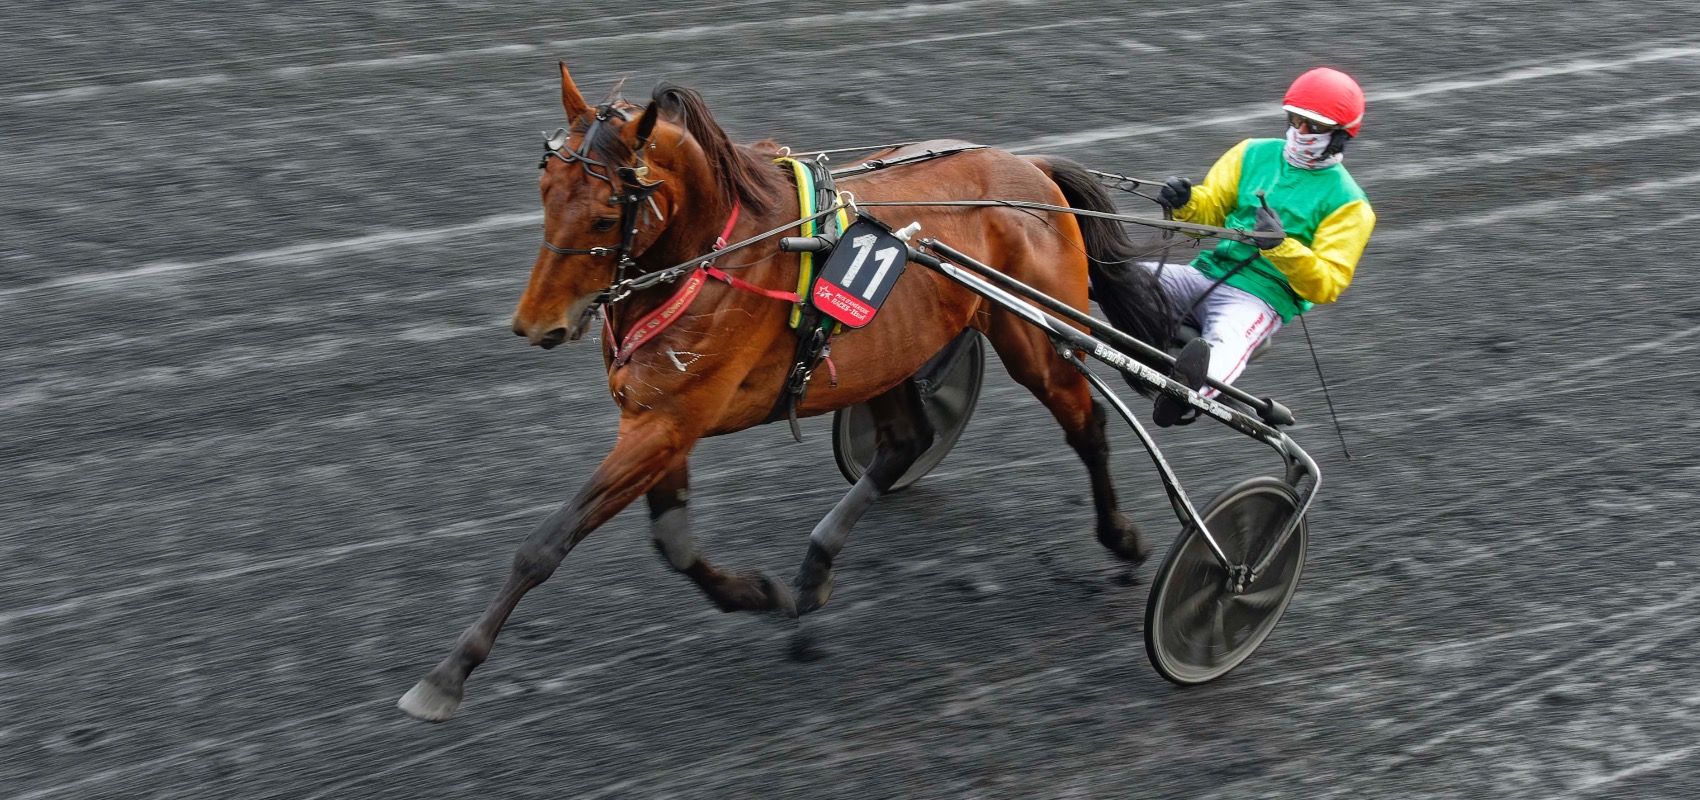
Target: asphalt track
{"points": [[266, 444]]}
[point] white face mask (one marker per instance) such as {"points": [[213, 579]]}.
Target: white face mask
{"points": [[1304, 150]]}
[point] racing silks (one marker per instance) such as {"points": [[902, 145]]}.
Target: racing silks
{"points": [[1326, 215]]}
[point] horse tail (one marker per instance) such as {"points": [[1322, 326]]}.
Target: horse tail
{"points": [[1131, 296]]}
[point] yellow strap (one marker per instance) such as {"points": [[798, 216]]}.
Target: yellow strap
{"points": [[806, 205]]}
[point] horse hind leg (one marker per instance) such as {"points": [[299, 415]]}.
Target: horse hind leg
{"points": [[1035, 364], [902, 434], [669, 525]]}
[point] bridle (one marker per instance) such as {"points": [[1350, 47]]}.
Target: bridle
{"points": [[629, 194]]}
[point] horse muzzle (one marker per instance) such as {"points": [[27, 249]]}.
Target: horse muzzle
{"points": [[549, 337]]}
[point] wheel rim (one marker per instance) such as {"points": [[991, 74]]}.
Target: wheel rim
{"points": [[949, 404], [1197, 630]]}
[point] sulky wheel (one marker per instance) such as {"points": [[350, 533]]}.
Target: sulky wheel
{"points": [[1196, 629], [950, 386]]}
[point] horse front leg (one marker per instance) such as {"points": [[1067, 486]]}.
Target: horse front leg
{"points": [[648, 450], [902, 434], [669, 524]]}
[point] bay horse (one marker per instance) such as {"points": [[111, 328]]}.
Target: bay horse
{"points": [[673, 179]]}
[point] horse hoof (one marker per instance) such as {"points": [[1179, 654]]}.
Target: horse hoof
{"points": [[1124, 540], [779, 597], [429, 702], [811, 598]]}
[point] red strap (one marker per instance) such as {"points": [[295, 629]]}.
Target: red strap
{"points": [[739, 283], [657, 321], [720, 242], [669, 312]]}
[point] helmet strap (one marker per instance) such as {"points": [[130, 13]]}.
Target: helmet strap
{"points": [[1336, 143]]}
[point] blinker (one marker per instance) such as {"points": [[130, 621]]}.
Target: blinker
{"points": [[556, 140]]}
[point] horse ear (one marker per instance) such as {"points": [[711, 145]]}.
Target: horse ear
{"points": [[646, 125], [571, 100]]}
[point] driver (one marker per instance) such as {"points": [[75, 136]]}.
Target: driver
{"points": [[1317, 222]]}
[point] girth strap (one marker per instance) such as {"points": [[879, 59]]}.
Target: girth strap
{"points": [[815, 330]]}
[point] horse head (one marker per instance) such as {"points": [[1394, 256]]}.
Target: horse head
{"points": [[595, 187], [625, 191]]}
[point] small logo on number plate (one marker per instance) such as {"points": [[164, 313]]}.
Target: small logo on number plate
{"points": [[859, 274]]}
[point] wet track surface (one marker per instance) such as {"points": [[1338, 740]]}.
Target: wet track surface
{"points": [[266, 444]]}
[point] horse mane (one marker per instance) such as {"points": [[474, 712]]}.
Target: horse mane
{"points": [[742, 172]]}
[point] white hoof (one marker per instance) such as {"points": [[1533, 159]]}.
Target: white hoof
{"points": [[427, 702]]}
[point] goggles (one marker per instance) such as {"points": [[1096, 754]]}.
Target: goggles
{"points": [[1307, 124]]}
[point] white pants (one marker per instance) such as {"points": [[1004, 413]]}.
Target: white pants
{"points": [[1233, 321]]}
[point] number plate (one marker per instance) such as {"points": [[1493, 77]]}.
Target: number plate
{"points": [[863, 267]]}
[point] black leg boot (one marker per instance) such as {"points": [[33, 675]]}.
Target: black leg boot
{"points": [[1191, 367]]}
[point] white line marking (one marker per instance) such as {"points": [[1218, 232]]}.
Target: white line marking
{"points": [[503, 221], [95, 88], [1657, 128], [309, 250], [1562, 205], [152, 765], [684, 33], [1262, 110], [1546, 333], [456, 530], [310, 71], [920, 689], [1654, 764], [1612, 655]]}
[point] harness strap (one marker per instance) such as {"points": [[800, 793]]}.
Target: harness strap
{"points": [[743, 285], [669, 312], [660, 319], [720, 241]]}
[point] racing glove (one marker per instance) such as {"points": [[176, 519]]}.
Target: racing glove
{"points": [[1269, 223], [1176, 193]]}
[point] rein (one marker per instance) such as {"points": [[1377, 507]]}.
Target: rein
{"points": [[630, 192], [1233, 234]]}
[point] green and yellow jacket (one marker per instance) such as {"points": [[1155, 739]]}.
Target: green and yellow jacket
{"points": [[1327, 218]]}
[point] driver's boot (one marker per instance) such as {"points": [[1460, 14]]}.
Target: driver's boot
{"points": [[1191, 367]]}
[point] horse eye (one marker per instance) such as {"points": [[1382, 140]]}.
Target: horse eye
{"points": [[605, 223]]}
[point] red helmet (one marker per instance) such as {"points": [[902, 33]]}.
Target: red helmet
{"points": [[1328, 96]]}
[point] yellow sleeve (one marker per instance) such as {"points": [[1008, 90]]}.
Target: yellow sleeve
{"points": [[1320, 272], [1216, 197]]}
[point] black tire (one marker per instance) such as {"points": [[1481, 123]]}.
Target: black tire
{"points": [[1195, 629], [949, 398]]}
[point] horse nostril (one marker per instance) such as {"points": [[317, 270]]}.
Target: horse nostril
{"points": [[518, 331], [552, 338]]}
